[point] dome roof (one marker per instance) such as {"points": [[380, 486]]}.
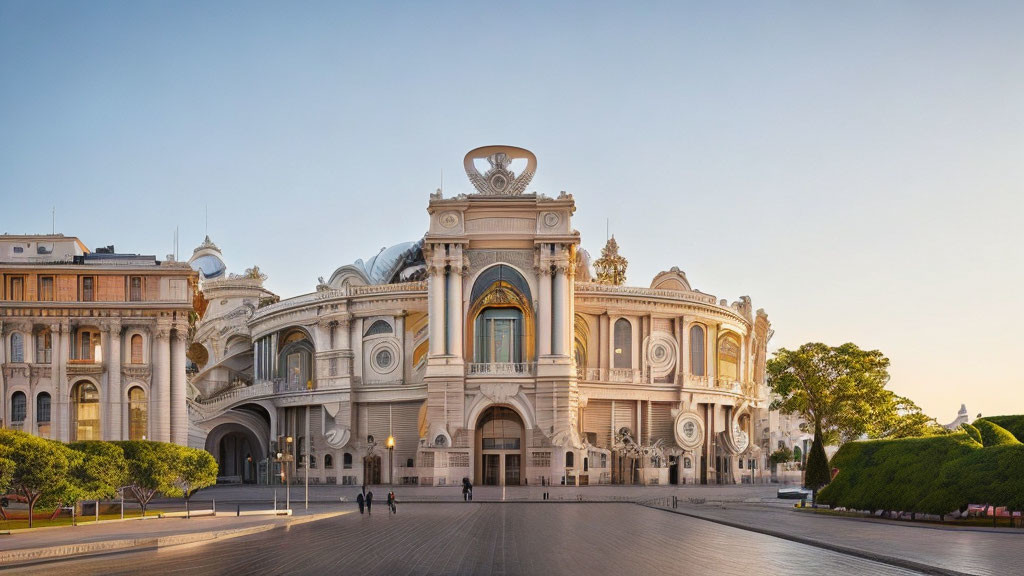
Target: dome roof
{"points": [[397, 263]]}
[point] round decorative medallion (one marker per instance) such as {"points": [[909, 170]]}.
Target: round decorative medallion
{"points": [[689, 431], [448, 219], [551, 219], [661, 354], [384, 356]]}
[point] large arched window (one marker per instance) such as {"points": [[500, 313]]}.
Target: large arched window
{"points": [[19, 407], [500, 319], [499, 336], [346, 461], [138, 414], [17, 347], [328, 461], [697, 355], [296, 360], [136, 349], [623, 344], [729, 357], [85, 412]]}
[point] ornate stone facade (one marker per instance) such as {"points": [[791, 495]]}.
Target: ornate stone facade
{"points": [[486, 352]]}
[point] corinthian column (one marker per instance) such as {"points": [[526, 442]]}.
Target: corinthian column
{"points": [[436, 298], [179, 411], [544, 307], [560, 295], [160, 391]]}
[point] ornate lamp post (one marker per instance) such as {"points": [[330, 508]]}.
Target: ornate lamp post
{"points": [[284, 458], [391, 458]]}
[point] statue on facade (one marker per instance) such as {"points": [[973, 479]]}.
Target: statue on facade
{"points": [[611, 267]]}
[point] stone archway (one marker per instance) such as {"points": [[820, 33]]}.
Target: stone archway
{"points": [[237, 450], [500, 447]]}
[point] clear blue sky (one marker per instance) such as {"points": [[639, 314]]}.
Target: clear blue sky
{"points": [[856, 168]]}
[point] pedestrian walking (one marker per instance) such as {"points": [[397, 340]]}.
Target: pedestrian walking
{"points": [[391, 502], [360, 501], [369, 501], [465, 489], [470, 491]]}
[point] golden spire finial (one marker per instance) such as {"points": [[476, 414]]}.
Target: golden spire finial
{"points": [[611, 267]]}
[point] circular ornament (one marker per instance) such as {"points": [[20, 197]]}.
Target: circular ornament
{"points": [[661, 354], [384, 356], [551, 219], [689, 431], [448, 219]]}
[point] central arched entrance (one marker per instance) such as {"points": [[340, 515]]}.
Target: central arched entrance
{"points": [[499, 447], [237, 451]]}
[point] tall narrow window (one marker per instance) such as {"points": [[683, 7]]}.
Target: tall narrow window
{"points": [[136, 349], [19, 406], [87, 289], [729, 358], [138, 419], [17, 347], [623, 344], [46, 288], [43, 414], [17, 288], [44, 345], [328, 461], [85, 412], [697, 350], [347, 461], [43, 408], [135, 289]]}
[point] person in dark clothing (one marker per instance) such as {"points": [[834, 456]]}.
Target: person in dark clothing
{"points": [[391, 502], [470, 491], [369, 501], [465, 489], [360, 501]]}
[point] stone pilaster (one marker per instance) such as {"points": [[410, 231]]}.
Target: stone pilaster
{"points": [[454, 285], [113, 396], [178, 408], [544, 305], [160, 391]]}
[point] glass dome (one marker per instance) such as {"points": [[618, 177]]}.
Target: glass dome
{"points": [[209, 266]]}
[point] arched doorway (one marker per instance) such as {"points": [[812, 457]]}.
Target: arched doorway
{"points": [[238, 452], [499, 447], [85, 412], [371, 470]]}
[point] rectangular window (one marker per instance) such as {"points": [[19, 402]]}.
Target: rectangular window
{"points": [[86, 346], [19, 250], [87, 289], [17, 291], [135, 289], [44, 345], [46, 288]]}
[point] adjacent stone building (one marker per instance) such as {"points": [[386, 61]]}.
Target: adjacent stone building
{"points": [[94, 342], [483, 350]]}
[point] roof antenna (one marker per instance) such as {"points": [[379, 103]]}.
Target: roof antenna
{"points": [[53, 220]]}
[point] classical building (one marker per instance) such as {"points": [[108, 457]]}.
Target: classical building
{"points": [[93, 341], [483, 350]]}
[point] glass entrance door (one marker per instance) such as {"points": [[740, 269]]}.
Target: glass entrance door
{"points": [[492, 469], [512, 469]]}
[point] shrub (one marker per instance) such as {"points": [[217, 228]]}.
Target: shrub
{"points": [[973, 432], [993, 434], [1013, 424]]}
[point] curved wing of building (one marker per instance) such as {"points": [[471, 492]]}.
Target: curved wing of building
{"points": [[483, 351]]}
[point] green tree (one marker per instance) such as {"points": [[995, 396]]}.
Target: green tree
{"points": [[193, 470], [817, 472], [900, 417], [781, 455], [798, 454], [840, 391], [150, 469], [103, 469], [42, 470]]}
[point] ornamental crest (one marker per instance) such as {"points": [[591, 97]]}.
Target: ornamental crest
{"points": [[499, 180]]}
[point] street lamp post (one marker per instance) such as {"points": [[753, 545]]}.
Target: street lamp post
{"points": [[391, 459]]}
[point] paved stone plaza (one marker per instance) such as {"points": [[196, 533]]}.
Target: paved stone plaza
{"points": [[490, 538]]}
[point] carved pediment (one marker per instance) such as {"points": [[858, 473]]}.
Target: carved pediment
{"points": [[499, 392]]}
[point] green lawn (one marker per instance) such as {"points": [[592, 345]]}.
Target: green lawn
{"points": [[19, 520]]}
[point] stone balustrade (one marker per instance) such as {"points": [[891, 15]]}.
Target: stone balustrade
{"points": [[500, 369]]}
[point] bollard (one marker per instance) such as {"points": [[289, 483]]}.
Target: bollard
{"points": [[238, 511], [275, 500], [97, 510], [214, 506]]}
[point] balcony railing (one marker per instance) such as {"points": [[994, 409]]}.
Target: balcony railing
{"points": [[499, 369], [619, 375]]}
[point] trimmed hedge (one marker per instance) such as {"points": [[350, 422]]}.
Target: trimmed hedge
{"points": [[973, 432], [932, 475], [1013, 424]]}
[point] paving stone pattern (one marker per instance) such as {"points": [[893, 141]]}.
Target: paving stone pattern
{"points": [[481, 538]]}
